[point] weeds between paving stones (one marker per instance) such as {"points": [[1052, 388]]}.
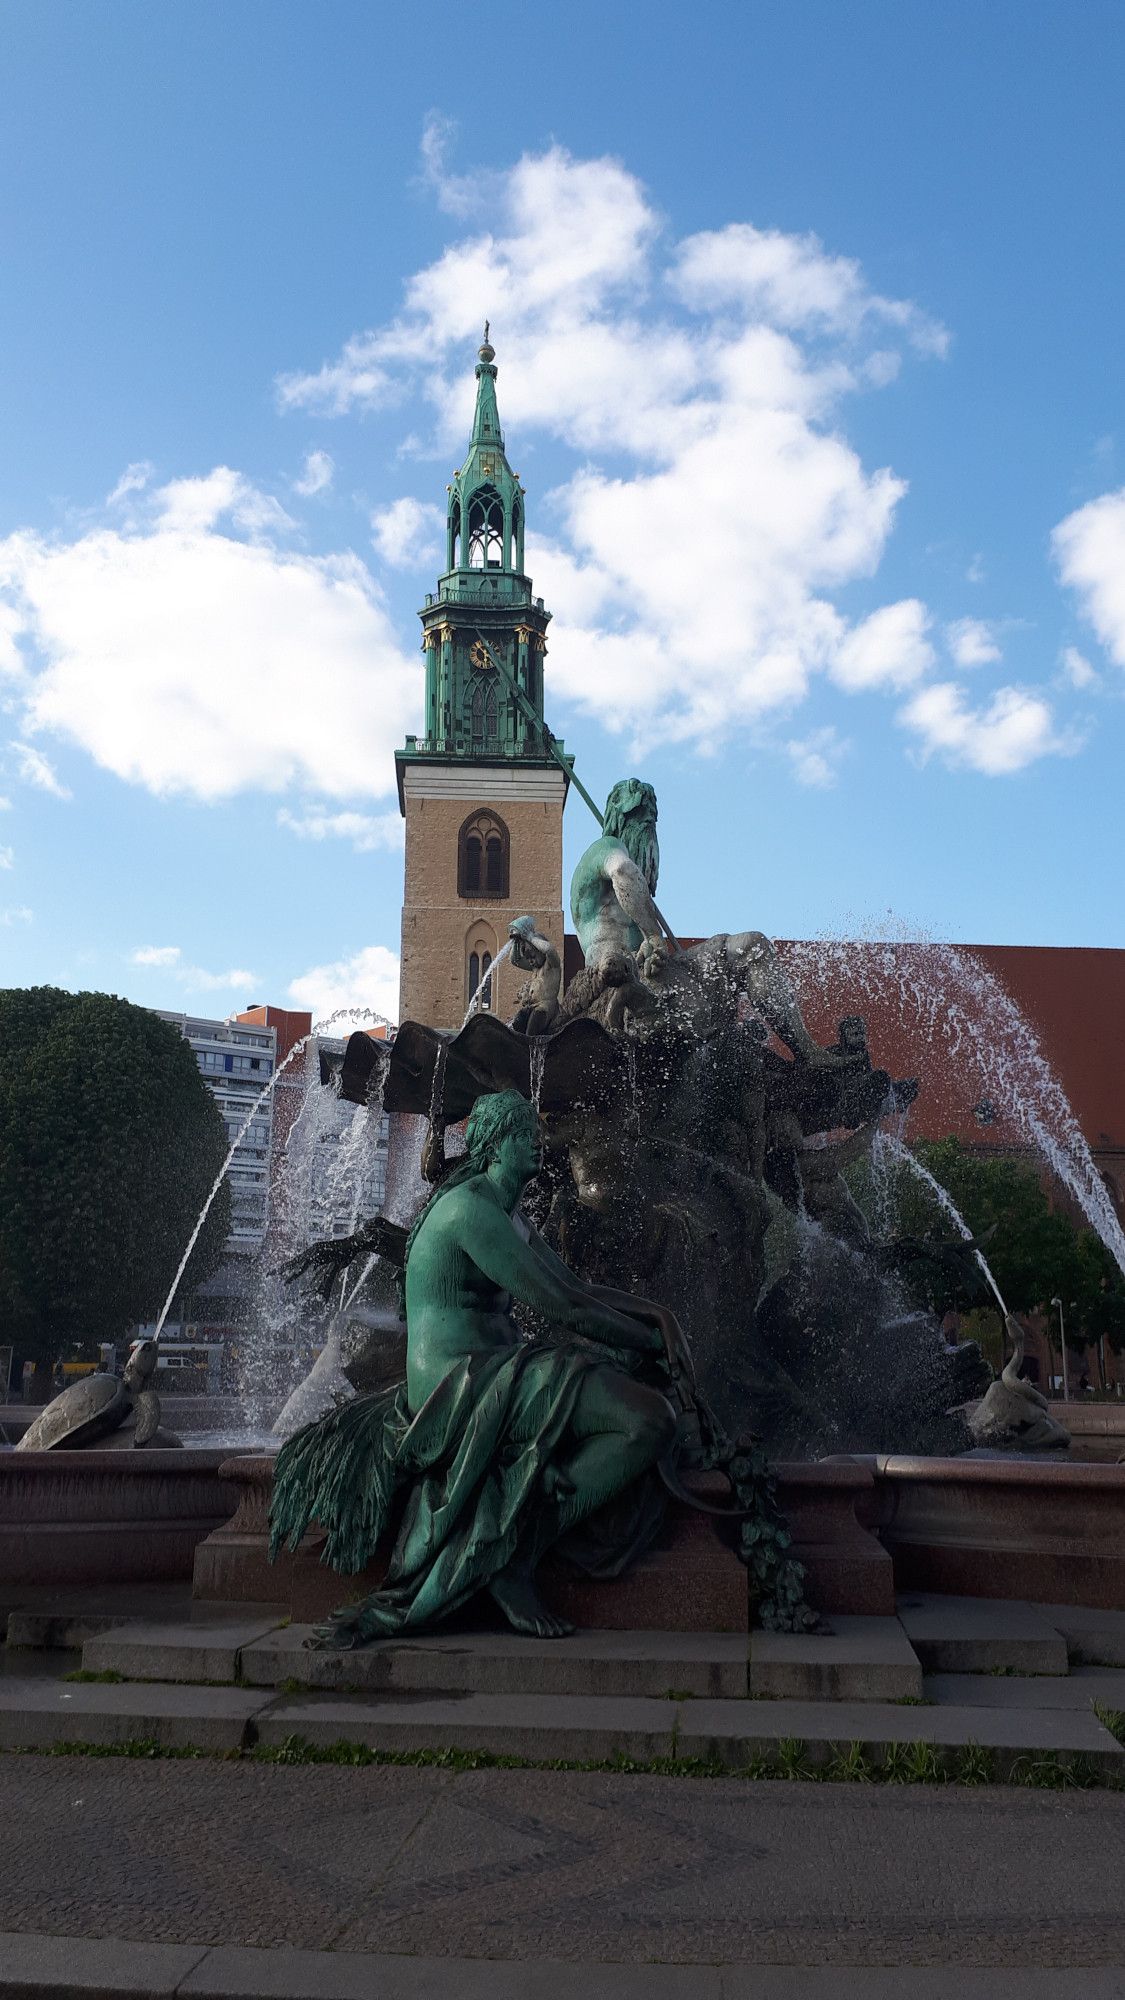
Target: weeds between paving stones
{"points": [[792, 1758], [849, 1765], [974, 1766], [1054, 1773], [788, 1760], [108, 1675]]}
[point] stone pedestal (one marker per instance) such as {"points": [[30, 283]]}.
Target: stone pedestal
{"points": [[690, 1582], [847, 1568]]}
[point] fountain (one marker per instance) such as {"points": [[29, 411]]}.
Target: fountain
{"points": [[702, 1149], [698, 1149]]}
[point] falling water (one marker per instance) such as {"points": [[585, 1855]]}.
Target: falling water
{"points": [[496, 963], [328, 1174], [537, 1062], [318, 1027], [907, 1158], [947, 999]]}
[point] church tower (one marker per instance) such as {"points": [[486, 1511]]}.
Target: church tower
{"points": [[481, 791]]}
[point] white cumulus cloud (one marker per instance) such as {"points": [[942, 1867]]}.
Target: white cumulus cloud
{"points": [[317, 475], [408, 534], [188, 657], [1013, 730], [7, 857], [17, 914], [692, 558], [890, 649], [1089, 548], [134, 479], [791, 281], [971, 642], [369, 979], [36, 769], [816, 758], [170, 958], [1077, 668], [366, 831]]}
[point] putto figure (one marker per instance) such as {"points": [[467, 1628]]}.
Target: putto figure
{"points": [[496, 1447]]}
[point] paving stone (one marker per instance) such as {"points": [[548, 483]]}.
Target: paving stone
{"points": [[653, 1664], [204, 1650], [575, 1727], [37, 1713], [732, 1733], [856, 1659], [1077, 1690], [102, 1967], [970, 1635], [238, 1974], [1094, 1637], [45, 1966]]}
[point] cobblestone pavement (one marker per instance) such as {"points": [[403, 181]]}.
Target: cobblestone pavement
{"points": [[561, 1865]]}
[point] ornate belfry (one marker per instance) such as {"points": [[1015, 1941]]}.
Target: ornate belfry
{"points": [[481, 793]]}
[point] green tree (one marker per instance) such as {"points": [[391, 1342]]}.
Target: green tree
{"points": [[1033, 1253], [1097, 1310], [109, 1143]]}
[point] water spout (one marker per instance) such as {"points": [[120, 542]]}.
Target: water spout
{"points": [[496, 963], [946, 1201], [318, 1027]]}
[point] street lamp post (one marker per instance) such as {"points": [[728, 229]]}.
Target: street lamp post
{"points": [[1062, 1349]]}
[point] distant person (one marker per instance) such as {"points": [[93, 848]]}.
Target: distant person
{"points": [[1085, 1384]]}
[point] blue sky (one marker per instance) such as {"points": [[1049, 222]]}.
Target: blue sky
{"points": [[808, 323]]}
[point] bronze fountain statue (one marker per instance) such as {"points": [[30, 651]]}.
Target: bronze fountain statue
{"points": [[665, 1129]]}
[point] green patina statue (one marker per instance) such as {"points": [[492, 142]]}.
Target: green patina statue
{"points": [[496, 1447], [631, 962]]}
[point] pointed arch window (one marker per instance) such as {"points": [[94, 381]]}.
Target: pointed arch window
{"points": [[483, 704], [483, 859], [486, 529], [480, 964], [454, 536]]}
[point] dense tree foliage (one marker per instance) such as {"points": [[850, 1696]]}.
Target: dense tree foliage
{"points": [[1037, 1253], [109, 1143]]}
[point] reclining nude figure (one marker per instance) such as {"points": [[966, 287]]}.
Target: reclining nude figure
{"points": [[496, 1447], [620, 930]]}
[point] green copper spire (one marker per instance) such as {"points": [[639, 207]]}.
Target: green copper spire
{"points": [[486, 419], [484, 594]]}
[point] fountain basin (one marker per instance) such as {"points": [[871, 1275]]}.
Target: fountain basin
{"points": [[95, 1517], [978, 1527]]}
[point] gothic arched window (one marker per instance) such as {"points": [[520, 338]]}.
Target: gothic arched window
{"points": [[454, 535], [483, 718], [480, 956], [483, 849], [486, 529]]}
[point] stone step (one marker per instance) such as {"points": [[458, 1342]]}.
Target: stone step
{"points": [[973, 1635], [655, 1664], [197, 1650], [729, 1733], [1079, 1689], [602, 1663], [36, 1714], [1095, 1637], [853, 1659]]}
